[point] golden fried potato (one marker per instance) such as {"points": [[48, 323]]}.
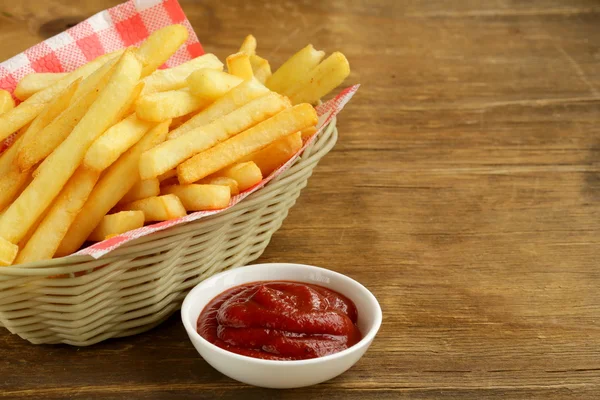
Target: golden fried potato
{"points": [[116, 224], [200, 197], [229, 151], [62, 163]]}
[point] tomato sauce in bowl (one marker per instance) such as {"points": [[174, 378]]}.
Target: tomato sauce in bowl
{"points": [[280, 320]]}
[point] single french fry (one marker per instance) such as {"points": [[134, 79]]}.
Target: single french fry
{"points": [[321, 80], [173, 207], [296, 67], [12, 184], [238, 64], [211, 84], [45, 240], [260, 68], [158, 208], [115, 141], [174, 78], [6, 101], [223, 181], [8, 252], [161, 106], [228, 152], [196, 197], [62, 163], [248, 45], [233, 100], [116, 224], [171, 153], [50, 137], [49, 114], [33, 83], [276, 154], [160, 46], [308, 132], [115, 182], [25, 112], [141, 190], [246, 174]]}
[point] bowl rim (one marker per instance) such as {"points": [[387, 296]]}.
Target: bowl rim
{"points": [[365, 341]]}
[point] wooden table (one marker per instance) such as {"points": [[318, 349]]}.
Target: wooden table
{"points": [[464, 192]]}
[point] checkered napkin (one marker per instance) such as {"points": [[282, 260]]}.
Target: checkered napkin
{"points": [[128, 24]]}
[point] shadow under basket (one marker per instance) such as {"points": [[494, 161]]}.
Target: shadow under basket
{"points": [[139, 285]]}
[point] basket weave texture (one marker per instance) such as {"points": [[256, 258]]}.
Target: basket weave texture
{"points": [[139, 285]]}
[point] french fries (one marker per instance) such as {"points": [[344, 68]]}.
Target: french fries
{"points": [[171, 153], [296, 67], [160, 46], [161, 106], [238, 64], [50, 112], [25, 112], [158, 208], [246, 174], [211, 84], [11, 184], [129, 106], [61, 164], [7, 159], [50, 232], [307, 133], [18, 117], [8, 252], [223, 181], [276, 154], [93, 80], [50, 137], [200, 197], [6, 101], [115, 224], [115, 141], [234, 99], [142, 189], [115, 182], [32, 230], [36, 82], [228, 152], [260, 68], [89, 159], [320, 80], [248, 45], [175, 78]]}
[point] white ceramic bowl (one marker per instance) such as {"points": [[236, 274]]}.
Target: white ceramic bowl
{"points": [[281, 374]]}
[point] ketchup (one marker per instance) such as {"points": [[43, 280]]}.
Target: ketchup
{"points": [[280, 320]]}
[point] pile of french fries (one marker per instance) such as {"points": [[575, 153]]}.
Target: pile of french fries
{"points": [[118, 143]]}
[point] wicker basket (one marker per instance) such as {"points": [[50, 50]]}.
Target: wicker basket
{"points": [[139, 285]]}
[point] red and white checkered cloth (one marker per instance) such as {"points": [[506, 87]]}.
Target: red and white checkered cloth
{"points": [[128, 24]]}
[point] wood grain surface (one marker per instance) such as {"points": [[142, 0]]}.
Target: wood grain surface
{"points": [[464, 192]]}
